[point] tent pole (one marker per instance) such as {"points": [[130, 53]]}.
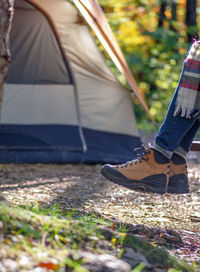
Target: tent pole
{"points": [[84, 144]]}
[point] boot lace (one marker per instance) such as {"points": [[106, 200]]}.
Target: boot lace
{"points": [[142, 155]]}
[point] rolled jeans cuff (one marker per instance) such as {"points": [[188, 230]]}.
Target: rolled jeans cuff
{"points": [[181, 151], [164, 151]]}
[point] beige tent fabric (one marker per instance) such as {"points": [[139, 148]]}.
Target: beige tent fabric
{"points": [[105, 105], [22, 106], [98, 89], [76, 39], [39, 104], [36, 55], [95, 17]]}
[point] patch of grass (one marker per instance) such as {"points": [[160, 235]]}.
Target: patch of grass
{"points": [[53, 238]]}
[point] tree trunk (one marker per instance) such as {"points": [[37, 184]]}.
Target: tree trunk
{"points": [[6, 15], [174, 15], [191, 23], [162, 13]]}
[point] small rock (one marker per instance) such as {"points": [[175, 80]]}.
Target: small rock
{"points": [[10, 265], [106, 232], [24, 260], [104, 263], [134, 258], [172, 236]]}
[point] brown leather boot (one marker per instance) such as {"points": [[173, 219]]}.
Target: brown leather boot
{"points": [[178, 176], [149, 172]]}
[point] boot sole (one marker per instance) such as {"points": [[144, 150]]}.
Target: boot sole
{"points": [[178, 184], [155, 183]]}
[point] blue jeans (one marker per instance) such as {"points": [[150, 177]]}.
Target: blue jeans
{"points": [[176, 133]]}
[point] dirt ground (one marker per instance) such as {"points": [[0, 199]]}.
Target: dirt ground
{"points": [[83, 187]]}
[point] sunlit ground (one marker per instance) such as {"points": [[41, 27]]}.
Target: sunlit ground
{"points": [[83, 187]]}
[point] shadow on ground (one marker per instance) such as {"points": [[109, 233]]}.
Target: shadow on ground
{"points": [[82, 187]]}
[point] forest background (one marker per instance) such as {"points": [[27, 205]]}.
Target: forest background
{"points": [[155, 36]]}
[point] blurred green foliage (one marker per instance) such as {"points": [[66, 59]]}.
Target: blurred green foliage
{"points": [[155, 55]]}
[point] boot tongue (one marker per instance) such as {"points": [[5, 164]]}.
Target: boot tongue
{"points": [[160, 157]]}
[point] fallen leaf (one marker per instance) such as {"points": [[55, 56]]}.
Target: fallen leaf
{"points": [[113, 226], [49, 266]]}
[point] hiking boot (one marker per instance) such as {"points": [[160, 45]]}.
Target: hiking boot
{"points": [[178, 176], [149, 172]]}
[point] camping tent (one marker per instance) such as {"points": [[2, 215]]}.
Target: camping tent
{"points": [[61, 101]]}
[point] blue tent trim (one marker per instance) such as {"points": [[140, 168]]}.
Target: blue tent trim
{"points": [[62, 143]]}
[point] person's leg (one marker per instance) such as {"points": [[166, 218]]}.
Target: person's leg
{"points": [[178, 176], [176, 133], [163, 168], [157, 169], [174, 139], [180, 126], [186, 142]]}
